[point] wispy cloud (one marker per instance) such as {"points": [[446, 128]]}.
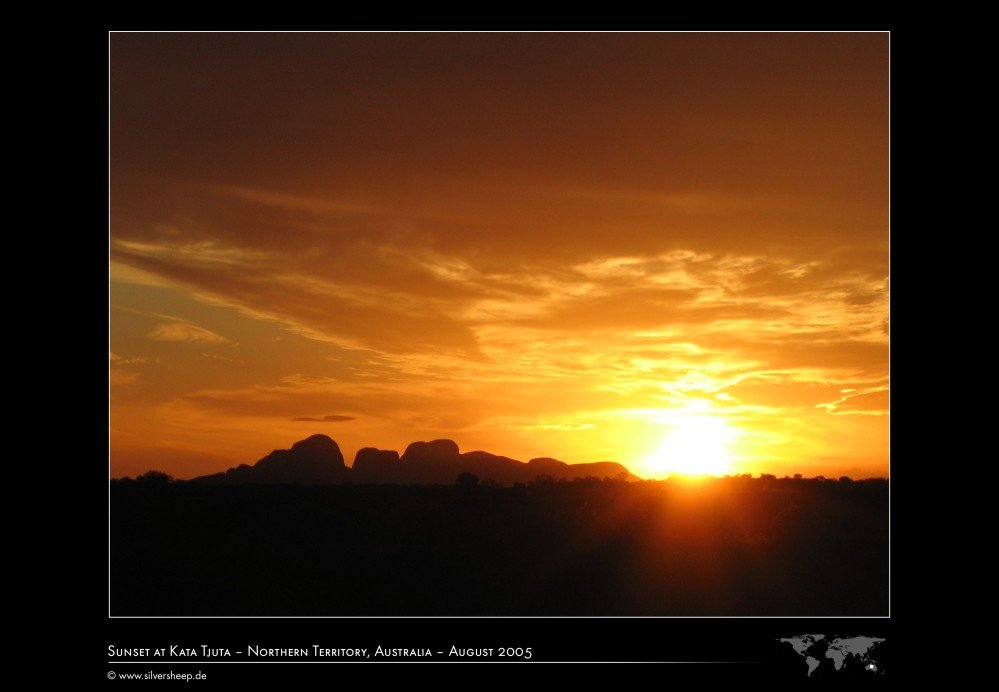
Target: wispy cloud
{"points": [[553, 426], [215, 356], [180, 330], [123, 377], [872, 401], [326, 419], [130, 360]]}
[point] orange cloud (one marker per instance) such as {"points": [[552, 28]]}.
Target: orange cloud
{"points": [[185, 331]]}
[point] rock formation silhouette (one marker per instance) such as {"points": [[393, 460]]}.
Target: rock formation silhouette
{"points": [[317, 460], [375, 466]]}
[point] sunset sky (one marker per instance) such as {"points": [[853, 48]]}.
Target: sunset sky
{"points": [[667, 250]]}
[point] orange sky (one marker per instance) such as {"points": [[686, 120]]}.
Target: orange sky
{"points": [[627, 247]]}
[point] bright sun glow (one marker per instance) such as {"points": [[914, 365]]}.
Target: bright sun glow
{"points": [[696, 445]]}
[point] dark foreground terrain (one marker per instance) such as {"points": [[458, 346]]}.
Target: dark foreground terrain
{"points": [[734, 546]]}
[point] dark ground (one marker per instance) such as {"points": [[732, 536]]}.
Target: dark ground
{"points": [[725, 547]]}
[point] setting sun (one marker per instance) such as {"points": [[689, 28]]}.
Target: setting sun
{"points": [[696, 445]]}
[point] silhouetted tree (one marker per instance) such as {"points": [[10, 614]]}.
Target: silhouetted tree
{"points": [[152, 476]]}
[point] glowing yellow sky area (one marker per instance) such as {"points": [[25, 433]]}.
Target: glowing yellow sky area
{"points": [[667, 250], [693, 445]]}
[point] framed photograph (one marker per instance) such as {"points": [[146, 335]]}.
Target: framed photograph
{"points": [[498, 346]]}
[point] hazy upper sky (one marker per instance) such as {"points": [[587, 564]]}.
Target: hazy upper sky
{"points": [[627, 247]]}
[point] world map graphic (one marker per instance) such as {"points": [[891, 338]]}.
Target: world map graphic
{"points": [[818, 649]]}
